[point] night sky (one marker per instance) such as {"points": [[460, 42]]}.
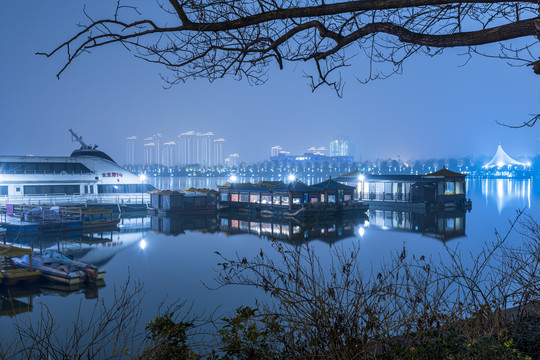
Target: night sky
{"points": [[435, 109]]}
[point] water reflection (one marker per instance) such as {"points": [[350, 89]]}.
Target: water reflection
{"points": [[291, 230], [504, 193], [137, 235], [20, 298], [442, 225]]}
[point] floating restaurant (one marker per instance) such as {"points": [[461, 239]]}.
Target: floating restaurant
{"points": [[294, 199], [188, 201], [443, 188]]}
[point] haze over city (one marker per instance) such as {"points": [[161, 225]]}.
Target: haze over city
{"points": [[435, 108]]}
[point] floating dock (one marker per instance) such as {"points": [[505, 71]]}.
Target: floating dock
{"points": [[29, 219]]}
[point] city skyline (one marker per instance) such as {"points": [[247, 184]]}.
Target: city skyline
{"points": [[191, 147]]}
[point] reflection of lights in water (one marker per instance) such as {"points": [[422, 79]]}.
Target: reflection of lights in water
{"points": [[142, 244], [506, 191], [361, 231], [366, 223]]}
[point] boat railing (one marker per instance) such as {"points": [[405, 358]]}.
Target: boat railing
{"points": [[77, 199], [46, 172]]}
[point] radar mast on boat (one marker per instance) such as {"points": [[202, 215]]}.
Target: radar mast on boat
{"points": [[80, 140]]}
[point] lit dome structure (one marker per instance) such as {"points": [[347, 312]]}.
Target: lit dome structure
{"points": [[501, 159]]}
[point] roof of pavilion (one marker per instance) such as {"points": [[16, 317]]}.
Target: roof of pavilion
{"points": [[332, 185], [444, 172], [501, 159]]}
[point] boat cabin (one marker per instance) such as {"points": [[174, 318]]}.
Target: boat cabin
{"points": [[439, 188], [335, 192], [268, 195], [167, 201]]}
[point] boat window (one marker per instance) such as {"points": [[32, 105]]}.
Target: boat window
{"points": [[51, 189], [296, 200], [124, 188], [460, 187], [254, 198], [277, 200], [244, 225], [331, 198], [244, 197], [3, 190], [266, 199], [200, 201], [234, 197], [188, 202], [224, 197], [449, 188], [284, 200], [43, 167]]}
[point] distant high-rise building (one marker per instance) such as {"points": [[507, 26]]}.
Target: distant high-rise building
{"points": [[340, 147], [130, 155], [219, 156], [233, 160], [275, 150], [168, 154], [149, 153], [204, 148], [200, 148], [187, 148], [157, 152]]}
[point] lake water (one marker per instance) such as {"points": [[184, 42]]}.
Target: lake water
{"points": [[175, 258]]}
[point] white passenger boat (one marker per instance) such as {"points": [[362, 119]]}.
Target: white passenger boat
{"points": [[87, 176]]}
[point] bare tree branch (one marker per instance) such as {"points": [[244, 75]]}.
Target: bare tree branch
{"points": [[241, 39]]}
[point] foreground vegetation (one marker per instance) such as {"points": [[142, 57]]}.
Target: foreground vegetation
{"points": [[410, 308]]}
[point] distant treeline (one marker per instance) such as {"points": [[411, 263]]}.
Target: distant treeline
{"points": [[471, 164]]}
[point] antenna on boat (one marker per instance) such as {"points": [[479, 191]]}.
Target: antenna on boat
{"points": [[80, 140]]}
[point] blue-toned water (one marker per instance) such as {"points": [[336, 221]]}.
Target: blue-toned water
{"points": [[175, 258]]}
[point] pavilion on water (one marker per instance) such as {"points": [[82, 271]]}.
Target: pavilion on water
{"points": [[502, 160]]}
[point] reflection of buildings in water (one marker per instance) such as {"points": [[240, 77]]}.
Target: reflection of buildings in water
{"points": [[278, 228], [329, 230], [505, 191], [443, 225], [178, 224]]}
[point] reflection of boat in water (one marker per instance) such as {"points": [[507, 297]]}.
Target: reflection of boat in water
{"points": [[328, 229], [179, 224], [19, 299], [442, 225]]}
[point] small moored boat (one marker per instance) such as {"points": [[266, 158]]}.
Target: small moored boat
{"points": [[61, 268]]}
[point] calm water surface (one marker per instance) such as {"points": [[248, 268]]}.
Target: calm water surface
{"points": [[175, 258]]}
